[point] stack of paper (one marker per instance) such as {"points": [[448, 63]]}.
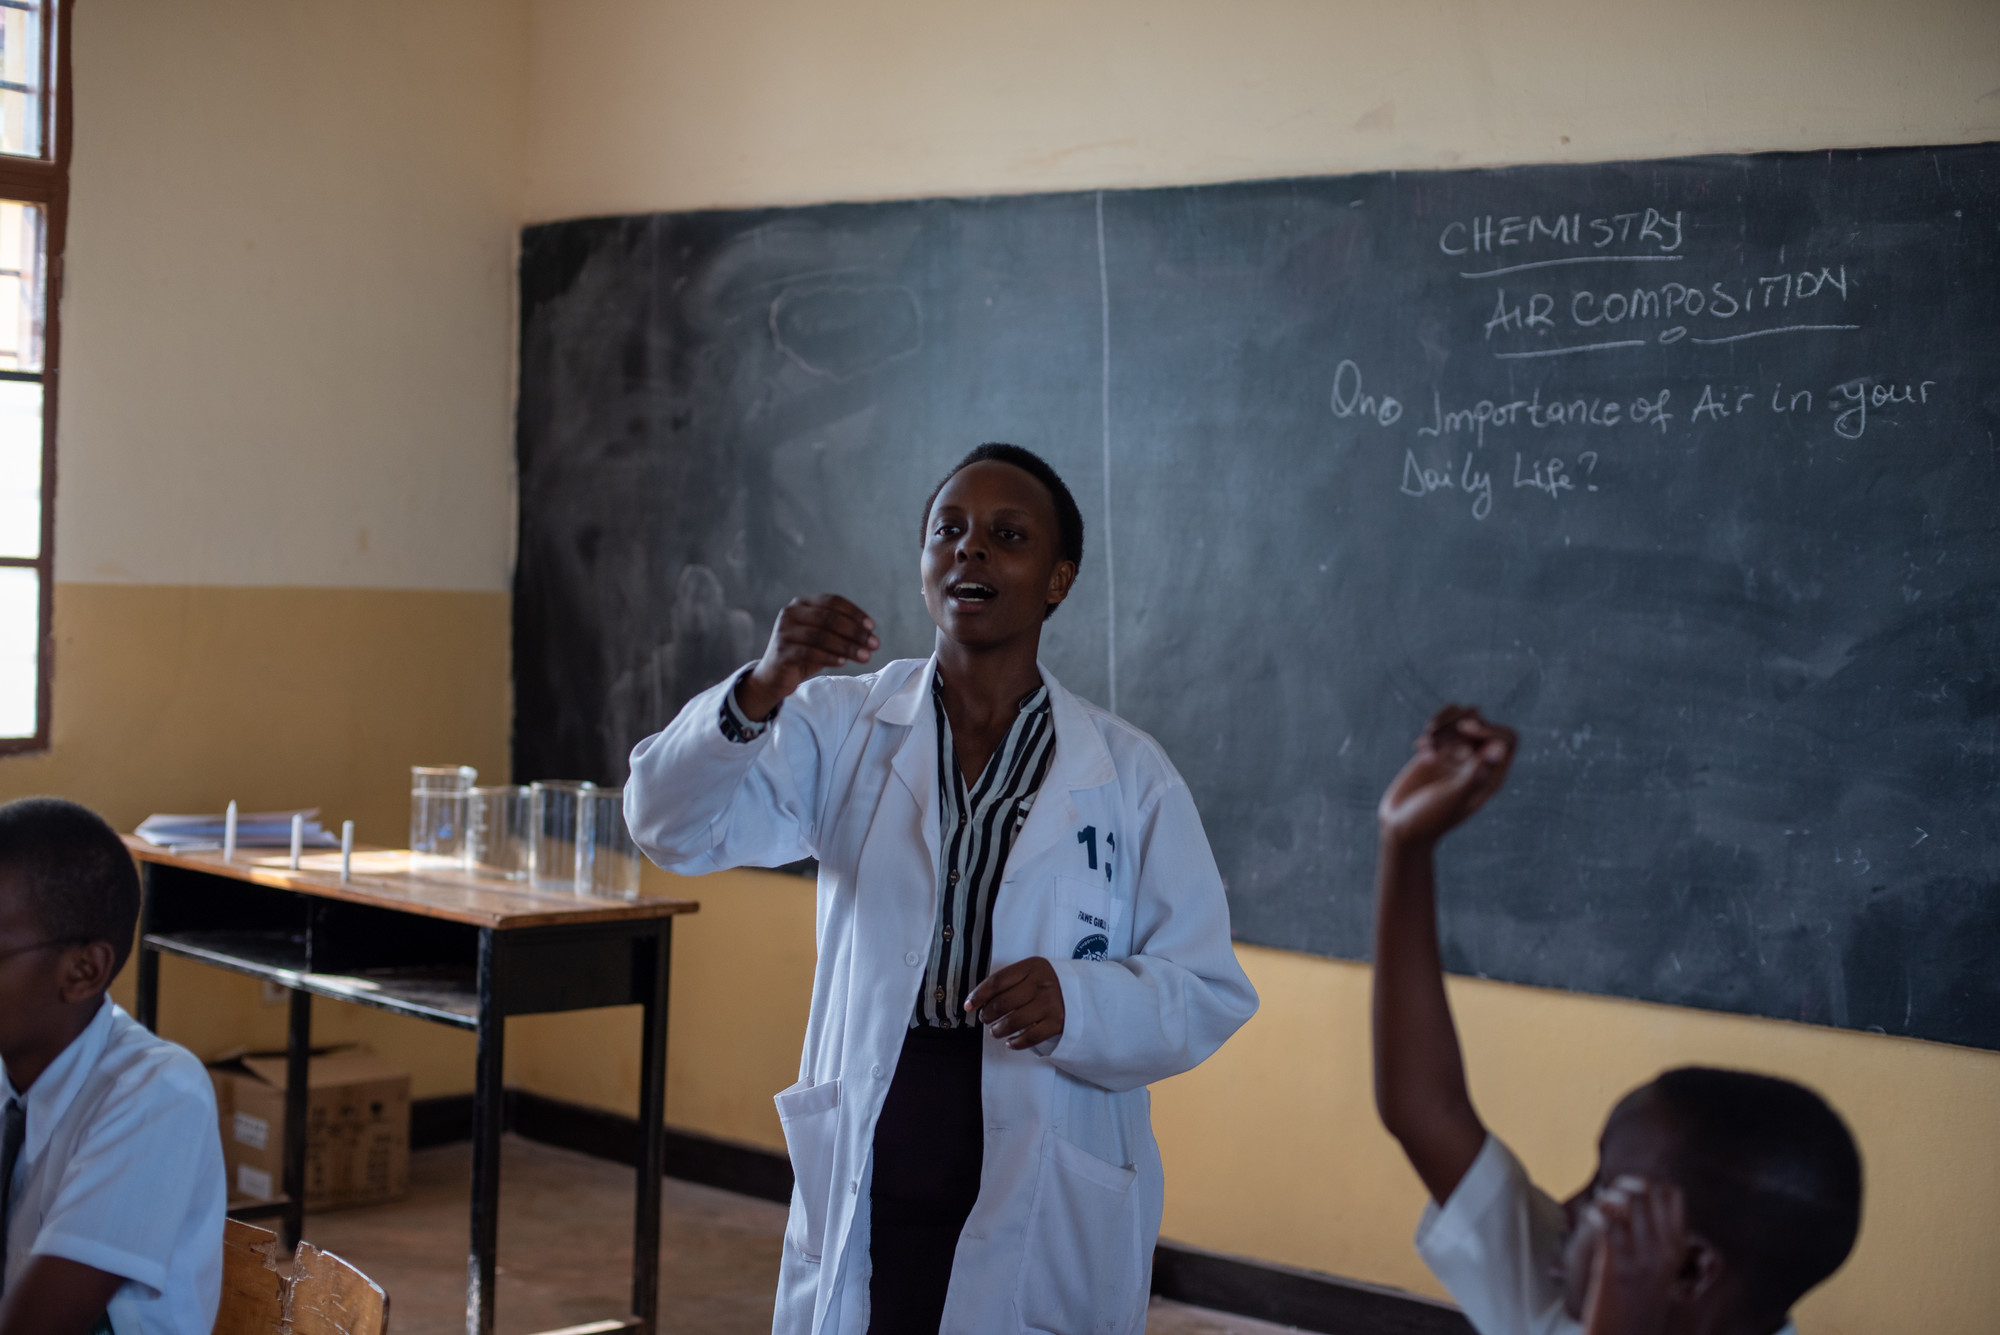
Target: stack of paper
{"points": [[259, 829]]}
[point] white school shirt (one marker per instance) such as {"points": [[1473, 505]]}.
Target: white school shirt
{"points": [[121, 1171], [1493, 1245], [1070, 1195]]}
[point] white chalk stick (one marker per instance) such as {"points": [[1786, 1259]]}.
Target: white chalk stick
{"points": [[229, 834], [298, 839], [347, 850]]}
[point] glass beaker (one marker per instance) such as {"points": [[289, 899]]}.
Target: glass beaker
{"points": [[496, 831], [556, 812], [607, 861], [437, 813]]}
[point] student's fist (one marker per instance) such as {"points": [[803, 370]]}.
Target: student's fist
{"points": [[1639, 1257], [1461, 761], [823, 630], [1022, 1004]]}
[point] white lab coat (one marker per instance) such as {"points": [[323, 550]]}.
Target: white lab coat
{"points": [[1111, 860]]}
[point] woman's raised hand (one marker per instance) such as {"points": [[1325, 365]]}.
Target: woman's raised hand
{"points": [[822, 630]]}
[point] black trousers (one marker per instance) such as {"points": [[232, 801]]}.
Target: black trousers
{"points": [[929, 1142]]}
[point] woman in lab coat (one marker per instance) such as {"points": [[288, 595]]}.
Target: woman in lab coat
{"points": [[1020, 926]]}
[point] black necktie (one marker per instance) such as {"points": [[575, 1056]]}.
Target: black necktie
{"points": [[13, 1131]]}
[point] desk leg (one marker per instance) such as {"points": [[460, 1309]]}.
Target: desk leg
{"points": [[656, 959], [488, 1113], [146, 1003], [148, 998], [298, 1053]]}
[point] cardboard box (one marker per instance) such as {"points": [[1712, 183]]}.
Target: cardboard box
{"points": [[357, 1126]]}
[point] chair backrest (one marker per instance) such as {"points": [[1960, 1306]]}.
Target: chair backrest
{"points": [[311, 1293]]}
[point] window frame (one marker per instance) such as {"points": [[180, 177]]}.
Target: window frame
{"points": [[45, 181]]}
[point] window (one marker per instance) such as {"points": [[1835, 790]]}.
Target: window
{"points": [[34, 198]]}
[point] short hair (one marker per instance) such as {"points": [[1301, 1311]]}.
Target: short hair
{"points": [[1770, 1175], [79, 878], [1069, 519]]}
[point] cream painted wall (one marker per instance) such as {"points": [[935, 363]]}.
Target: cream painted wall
{"points": [[287, 324], [287, 340], [641, 105]]}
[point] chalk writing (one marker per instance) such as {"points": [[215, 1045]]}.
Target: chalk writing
{"points": [[1349, 401], [1594, 411], [1589, 308], [1548, 476], [1421, 481], [1855, 397], [1665, 313], [1486, 234], [1846, 408], [1781, 329]]}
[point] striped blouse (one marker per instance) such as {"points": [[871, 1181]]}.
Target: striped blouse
{"points": [[977, 828]]}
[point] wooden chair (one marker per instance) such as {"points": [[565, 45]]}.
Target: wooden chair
{"points": [[312, 1293]]}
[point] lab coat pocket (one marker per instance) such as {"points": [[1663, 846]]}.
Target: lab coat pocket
{"points": [[810, 1115], [1082, 1264], [1087, 918]]}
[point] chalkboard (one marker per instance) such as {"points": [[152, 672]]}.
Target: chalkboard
{"points": [[1686, 468]]}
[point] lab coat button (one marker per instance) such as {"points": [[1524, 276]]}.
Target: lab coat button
{"points": [[875, 1071], [910, 959], [854, 1187]]}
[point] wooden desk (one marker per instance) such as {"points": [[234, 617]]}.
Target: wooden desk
{"points": [[438, 945]]}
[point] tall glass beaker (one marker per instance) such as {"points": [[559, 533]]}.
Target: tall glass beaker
{"points": [[437, 813], [607, 861], [556, 816], [496, 831]]}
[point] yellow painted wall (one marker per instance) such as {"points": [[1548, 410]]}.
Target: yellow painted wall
{"points": [[641, 105], [742, 982], [179, 698]]}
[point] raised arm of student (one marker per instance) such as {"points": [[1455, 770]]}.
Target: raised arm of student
{"points": [[56, 1296], [705, 795], [1420, 1090]]}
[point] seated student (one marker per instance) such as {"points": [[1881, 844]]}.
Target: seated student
{"points": [[111, 1179], [1720, 1196]]}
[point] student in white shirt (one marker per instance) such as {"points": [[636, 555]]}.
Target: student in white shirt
{"points": [[111, 1180], [1720, 1197]]}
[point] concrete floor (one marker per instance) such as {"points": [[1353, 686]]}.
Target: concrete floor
{"points": [[565, 1250]]}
